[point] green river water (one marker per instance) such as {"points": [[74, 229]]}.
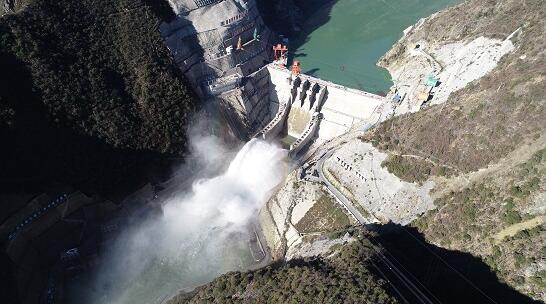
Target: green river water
{"points": [[346, 48]]}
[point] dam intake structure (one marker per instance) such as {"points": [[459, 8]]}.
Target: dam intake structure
{"points": [[226, 51], [304, 100], [308, 109]]}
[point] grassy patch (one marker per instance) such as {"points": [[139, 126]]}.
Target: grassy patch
{"points": [[326, 215], [412, 169]]}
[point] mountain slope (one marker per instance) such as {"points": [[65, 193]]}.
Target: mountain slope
{"points": [[344, 277], [89, 90], [485, 146]]}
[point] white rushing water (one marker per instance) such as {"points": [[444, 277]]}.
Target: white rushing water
{"points": [[202, 234]]}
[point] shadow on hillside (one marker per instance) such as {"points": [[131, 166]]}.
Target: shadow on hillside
{"points": [[39, 152], [450, 276], [161, 9]]}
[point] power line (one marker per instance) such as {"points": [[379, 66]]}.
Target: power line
{"points": [[443, 261], [417, 280], [453, 268]]}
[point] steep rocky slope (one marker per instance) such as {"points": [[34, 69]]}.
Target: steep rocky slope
{"points": [[496, 113], [89, 92], [484, 147]]}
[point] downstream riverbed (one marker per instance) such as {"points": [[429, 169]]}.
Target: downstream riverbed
{"points": [[201, 233], [346, 48]]}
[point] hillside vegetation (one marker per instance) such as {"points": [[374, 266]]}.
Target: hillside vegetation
{"points": [[496, 124], [472, 218], [88, 88], [343, 278]]}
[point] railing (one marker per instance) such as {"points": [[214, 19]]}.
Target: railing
{"points": [[37, 213], [202, 3], [234, 18]]}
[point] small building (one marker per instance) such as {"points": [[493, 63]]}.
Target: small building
{"points": [[431, 81]]}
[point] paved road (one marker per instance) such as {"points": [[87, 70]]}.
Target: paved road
{"points": [[398, 275], [348, 205]]}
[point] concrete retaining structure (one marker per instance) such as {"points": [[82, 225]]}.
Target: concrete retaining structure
{"points": [[341, 107], [307, 135], [335, 109], [275, 127]]}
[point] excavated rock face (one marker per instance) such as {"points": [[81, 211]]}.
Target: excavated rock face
{"points": [[9, 6], [220, 46], [12, 6], [215, 43]]}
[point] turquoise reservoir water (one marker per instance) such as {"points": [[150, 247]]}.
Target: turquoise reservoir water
{"points": [[346, 48]]}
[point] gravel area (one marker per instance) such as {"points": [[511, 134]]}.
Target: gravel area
{"points": [[358, 166]]}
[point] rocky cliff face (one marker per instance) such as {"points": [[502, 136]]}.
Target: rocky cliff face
{"points": [[11, 6]]}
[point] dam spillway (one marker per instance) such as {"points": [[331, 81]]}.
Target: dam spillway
{"points": [[310, 109]]}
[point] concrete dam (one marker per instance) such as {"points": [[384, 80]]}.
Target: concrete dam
{"points": [[226, 51]]}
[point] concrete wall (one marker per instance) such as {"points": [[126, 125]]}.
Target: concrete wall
{"points": [[276, 126], [341, 107], [345, 108], [306, 136]]}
